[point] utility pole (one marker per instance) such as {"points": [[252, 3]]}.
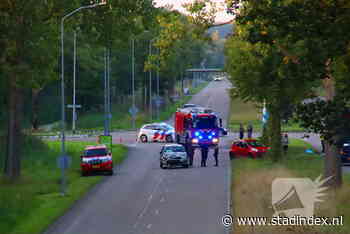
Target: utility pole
{"points": [[64, 159], [133, 78], [150, 82], [109, 91], [74, 78], [105, 93], [158, 96]]}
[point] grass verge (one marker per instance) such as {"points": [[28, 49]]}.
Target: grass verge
{"points": [[251, 191], [121, 118], [246, 113], [30, 205]]}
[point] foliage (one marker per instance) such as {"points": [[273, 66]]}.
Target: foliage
{"points": [[328, 118]]}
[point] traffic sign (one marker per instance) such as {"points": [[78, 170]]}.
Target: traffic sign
{"points": [[64, 162], [158, 101], [76, 106], [133, 110]]}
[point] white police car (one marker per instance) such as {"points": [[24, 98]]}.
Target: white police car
{"points": [[156, 132]]}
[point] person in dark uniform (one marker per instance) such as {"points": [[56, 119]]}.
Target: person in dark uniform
{"points": [[241, 131], [216, 154], [190, 153], [204, 151]]}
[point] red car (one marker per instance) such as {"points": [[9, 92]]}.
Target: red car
{"points": [[247, 148], [96, 159]]}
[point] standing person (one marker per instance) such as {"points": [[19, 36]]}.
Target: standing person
{"points": [[250, 130], [241, 131], [190, 153], [322, 143], [285, 142], [216, 154], [204, 151]]}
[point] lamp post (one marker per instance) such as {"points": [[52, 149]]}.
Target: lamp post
{"points": [[63, 113], [150, 80], [74, 78], [133, 78]]}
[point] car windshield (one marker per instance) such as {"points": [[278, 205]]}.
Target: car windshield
{"points": [[166, 127], [174, 149], [255, 144], [205, 122], [95, 152]]}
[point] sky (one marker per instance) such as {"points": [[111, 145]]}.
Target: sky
{"points": [[177, 4]]}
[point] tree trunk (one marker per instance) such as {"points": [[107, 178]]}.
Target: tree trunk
{"points": [[332, 167], [275, 133], [14, 133], [35, 109], [332, 162]]}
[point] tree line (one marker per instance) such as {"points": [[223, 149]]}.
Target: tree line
{"points": [[30, 55]]}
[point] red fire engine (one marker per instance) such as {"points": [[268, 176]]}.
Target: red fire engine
{"points": [[199, 128]]}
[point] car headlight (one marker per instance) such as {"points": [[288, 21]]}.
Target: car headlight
{"points": [[215, 140], [255, 150], [195, 140]]}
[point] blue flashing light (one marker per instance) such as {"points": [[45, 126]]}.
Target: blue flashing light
{"points": [[196, 134], [210, 137], [213, 133], [200, 137]]}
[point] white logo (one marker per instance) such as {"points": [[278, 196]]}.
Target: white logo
{"points": [[296, 196]]}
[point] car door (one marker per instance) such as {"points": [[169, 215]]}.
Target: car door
{"points": [[244, 148]]}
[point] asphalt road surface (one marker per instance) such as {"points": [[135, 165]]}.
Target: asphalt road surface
{"points": [[142, 198]]}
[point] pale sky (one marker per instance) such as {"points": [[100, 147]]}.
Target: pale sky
{"points": [[177, 4]]}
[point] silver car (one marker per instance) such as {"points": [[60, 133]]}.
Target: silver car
{"points": [[173, 155]]}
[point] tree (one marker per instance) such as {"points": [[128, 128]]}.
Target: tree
{"points": [[309, 34]]}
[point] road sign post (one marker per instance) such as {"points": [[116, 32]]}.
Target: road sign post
{"points": [[63, 162]]}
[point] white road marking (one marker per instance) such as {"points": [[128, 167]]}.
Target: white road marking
{"points": [[149, 226], [157, 212], [143, 212]]}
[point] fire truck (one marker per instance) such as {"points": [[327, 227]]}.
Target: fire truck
{"points": [[198, 128]]}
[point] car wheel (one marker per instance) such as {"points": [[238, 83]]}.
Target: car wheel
{"points": [[232, 155], [143, 138], [161, 165], [250, 155], [186, 166], [83, 173], [111, 172], [169, 138]]}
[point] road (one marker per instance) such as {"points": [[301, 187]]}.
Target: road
{"points": [[142, 198]]}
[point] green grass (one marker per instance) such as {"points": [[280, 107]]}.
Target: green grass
{"points": [[34, 202], [246, 113], [122, 120], [251, 189]]}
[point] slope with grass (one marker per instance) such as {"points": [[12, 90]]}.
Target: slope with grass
{"points": [[31, 204], [249, 113], [251, 191]]}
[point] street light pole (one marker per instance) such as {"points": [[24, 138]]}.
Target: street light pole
{"points": [[63, 114], [158, 97], [105, 92], [150, 81], [133, 78], [74, 78]]}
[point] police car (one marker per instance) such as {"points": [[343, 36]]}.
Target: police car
{"points": [[156, 132]]}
